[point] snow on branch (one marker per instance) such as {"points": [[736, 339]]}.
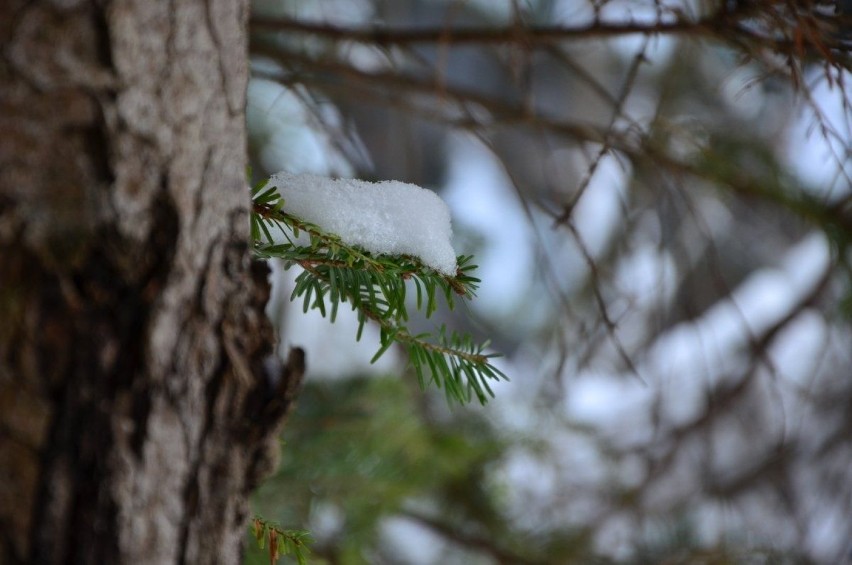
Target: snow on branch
{"points": [[387, 218], [361, 243]]}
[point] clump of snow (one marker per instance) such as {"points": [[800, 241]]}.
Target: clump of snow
{"points": [[389, 217]]}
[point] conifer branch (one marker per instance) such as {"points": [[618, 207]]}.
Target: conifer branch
{"points": [[281, 542], [376, 287]]}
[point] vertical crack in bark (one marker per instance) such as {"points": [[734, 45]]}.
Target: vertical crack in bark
{"points": [[192, 489], [107, 365], [199, 192], [191, 493], [233, 90], [164, 238], [214, 34]]}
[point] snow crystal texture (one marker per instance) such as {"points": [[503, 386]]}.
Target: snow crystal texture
{"points": [[388, 217]]}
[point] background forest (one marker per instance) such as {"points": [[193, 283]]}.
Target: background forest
{"points": [[658, 195]]}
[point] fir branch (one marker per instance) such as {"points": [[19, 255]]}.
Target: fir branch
{"points": [[376, 287], [457, 364], [281, 542]]}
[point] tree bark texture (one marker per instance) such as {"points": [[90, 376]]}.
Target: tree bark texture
{"points": [[139, 396]]}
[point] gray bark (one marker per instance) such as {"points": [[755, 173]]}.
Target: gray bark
{"points": [[136, 411]]}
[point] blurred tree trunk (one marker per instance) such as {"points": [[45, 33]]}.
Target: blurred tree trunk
{"points": [[137, 408]]}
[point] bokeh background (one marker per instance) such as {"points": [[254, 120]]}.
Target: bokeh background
{"points": [[662, 224]]}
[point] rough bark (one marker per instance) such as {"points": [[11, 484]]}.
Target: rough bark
{"points": [[138, 404]]}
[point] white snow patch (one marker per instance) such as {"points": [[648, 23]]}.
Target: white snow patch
{"points": [[648, 276], [799, 350], [389, 217], [481, 195], [619, 406], [741, 92], [410, 542]]}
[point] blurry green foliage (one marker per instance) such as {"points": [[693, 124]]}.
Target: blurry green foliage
{"points": [[364, 450], [364, 447]]}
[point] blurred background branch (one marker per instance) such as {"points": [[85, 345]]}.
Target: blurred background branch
{"points": [[659, 196]]}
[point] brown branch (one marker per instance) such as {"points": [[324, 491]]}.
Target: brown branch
{"points": [[773, 33], [479, 543], [756, 33], [531, 36], [606, 146], [400, 86]]}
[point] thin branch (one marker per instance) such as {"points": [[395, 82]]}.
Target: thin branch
{"points": [[400, 334], [530, 36], [606, 146], [774, 34], [401, 87], [479, 543]]}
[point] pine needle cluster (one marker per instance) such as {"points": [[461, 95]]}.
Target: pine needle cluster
{"points": [[376, 287]]}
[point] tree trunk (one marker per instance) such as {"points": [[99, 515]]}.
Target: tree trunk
{"points": [[138, 394]]}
